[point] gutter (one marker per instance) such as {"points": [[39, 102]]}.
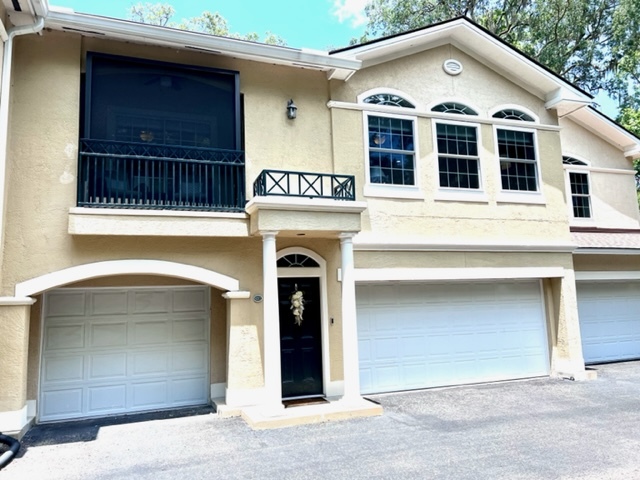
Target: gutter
{"points": [[5, 90]]}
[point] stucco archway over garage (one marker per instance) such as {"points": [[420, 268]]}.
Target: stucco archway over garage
{"points": [[118, 341], [125, 267]]}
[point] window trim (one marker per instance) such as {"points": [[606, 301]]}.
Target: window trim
{"points": [[514, 106], [465, 102], [389, 189], [570, 194], [584, 169], [454, 193], [392, 91], [519, 196]]}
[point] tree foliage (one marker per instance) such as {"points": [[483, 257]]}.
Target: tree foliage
{"points": [[594, 44], [162, 14]]}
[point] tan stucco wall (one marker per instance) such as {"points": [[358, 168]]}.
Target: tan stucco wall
{"points": [[613, 196], [35, 342], [603, 263], [14, 350], [421, 77], [585, 145]]}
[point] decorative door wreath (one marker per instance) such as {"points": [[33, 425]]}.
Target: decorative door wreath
{"points": [[297, 305]]}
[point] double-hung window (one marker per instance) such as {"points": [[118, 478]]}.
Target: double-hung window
{"points": [[458, 161], [457, 144], [579, 189], [391, 146], [518, 161], [390, 141]]}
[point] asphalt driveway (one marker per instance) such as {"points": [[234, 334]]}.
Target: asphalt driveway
{"points": [[532, 429]]}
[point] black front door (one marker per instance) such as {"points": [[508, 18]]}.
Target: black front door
{"points": [[300, 337]]}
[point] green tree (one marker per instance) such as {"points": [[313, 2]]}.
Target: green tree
{"points": [[211, 23], [630, 119]]}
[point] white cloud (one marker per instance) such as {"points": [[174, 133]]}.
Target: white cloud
{"points": [[351, 11]]}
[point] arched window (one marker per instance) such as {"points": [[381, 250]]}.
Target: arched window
{"points": [[389, 99], [454, 107], [296, 260], [513, 114], [573, 161]]}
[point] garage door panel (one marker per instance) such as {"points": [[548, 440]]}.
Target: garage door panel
{"points": [[151, 302], [609, 315], [67, 368], [64, 337], [143, 359], [108, 334], [188, 390], [106, 399], [108, 303], [185, 301], [153, 394], [189, 330], [451, 334], [189, 359], [65, 304], [147, 332], [65, 403], [107, 366], [152, 362]]}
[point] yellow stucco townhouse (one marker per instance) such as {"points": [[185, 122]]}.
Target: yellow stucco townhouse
{"points": [[189, 219]]}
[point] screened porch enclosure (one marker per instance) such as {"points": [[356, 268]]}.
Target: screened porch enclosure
{"points": [[160, 136]]}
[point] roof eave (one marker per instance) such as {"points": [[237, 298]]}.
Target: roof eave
{"points": [[608, 130], [163, 36], [474, 41]]}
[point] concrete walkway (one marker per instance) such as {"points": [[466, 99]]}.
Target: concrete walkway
{"points": [[532, 429]]}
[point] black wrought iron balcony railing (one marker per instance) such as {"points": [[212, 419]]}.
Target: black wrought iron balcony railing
{"points": [[139, 175], [304, 184]]}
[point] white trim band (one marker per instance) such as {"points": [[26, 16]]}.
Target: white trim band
{"points": [[442, 274], [596, 276], [237, 295], [125, 267], [17, 301]]}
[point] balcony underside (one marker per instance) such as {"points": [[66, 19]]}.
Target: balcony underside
{"points": [[312, 217], [166, 223]]}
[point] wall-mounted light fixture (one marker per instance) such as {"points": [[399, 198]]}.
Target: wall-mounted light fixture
{"points": [[292, 110]]}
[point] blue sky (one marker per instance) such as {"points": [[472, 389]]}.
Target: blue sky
{"points": [[318, 24]]}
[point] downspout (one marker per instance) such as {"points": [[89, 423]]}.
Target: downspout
{"points": [[5, 89]]}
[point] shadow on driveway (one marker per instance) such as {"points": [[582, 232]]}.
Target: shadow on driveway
{"points": [[87, 430]]}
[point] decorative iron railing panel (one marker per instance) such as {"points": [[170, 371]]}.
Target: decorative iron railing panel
{"points": [[162, 177], [304, 184]]}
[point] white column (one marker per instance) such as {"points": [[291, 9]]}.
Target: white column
{"points": [[349, 326], [272, 375]]}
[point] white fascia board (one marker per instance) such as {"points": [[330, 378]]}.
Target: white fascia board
{"points": [[474, 42], [151, 34], [607, 130]]}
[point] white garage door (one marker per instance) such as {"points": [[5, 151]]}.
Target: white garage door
{"points": [[109, 351], [609, 320], [422, 335]]}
